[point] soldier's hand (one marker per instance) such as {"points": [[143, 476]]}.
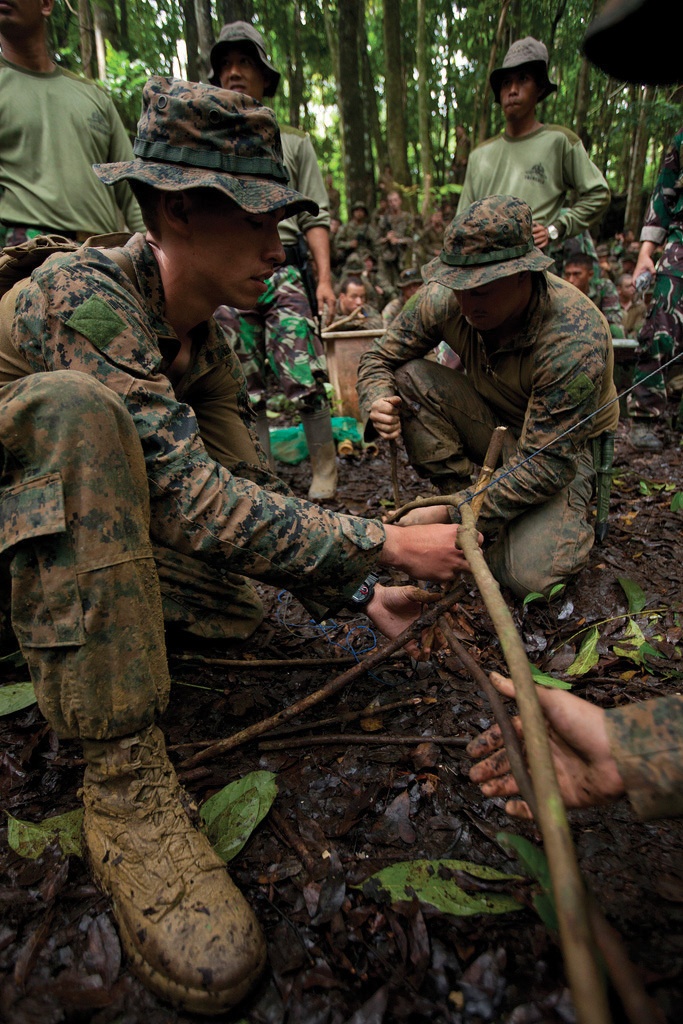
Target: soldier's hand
{"points": [[540, 235], [327, 300], [393, 609], [425, 552], [422, 516], [385, 418], [645, 263], [586, 771]]}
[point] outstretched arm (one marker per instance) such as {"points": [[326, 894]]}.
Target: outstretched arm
{"points": [[586, 770]]}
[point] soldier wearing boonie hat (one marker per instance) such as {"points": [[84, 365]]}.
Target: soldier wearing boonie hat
{"points": [[539, 163], [538, 360], [135, 493]]}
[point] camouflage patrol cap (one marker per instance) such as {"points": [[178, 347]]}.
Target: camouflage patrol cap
{"points": [[196, 136], [491, 239], [529, 53], [241, 32]]}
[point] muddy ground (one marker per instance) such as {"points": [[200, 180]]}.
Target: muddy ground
{"points": [[346, 810]]}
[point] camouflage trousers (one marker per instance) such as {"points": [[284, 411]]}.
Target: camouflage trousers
{"points": [[279, 336], [89, 591], [661, 337], [446, 428]]}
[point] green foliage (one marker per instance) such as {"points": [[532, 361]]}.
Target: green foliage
{"points": [[432, 882], [30, 841], [677, 502], [588, 654], [635, 596], [232, 814], [535, 862], [550, 681], [15, 697]]}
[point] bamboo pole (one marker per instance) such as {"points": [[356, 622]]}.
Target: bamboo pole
{"points": [[583, 974]]}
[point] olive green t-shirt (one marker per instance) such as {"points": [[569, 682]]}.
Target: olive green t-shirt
{"points": [[53, 127]]}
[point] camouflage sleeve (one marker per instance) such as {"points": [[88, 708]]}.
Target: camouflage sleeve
{"points": [[646, 741], [83, 315], [666, 196], [415, 331]]}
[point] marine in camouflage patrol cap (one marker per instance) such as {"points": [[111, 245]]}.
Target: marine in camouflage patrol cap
{"points": [[491, 239], [196, 136]]}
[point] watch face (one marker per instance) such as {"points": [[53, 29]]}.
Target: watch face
{"points": [[553, 233]]}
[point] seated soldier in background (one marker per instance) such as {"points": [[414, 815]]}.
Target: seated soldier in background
{"points": [[538, 359], [352, 308], [409, 282], [358, 233], [579, 270], [633, 309], [126, 445]]}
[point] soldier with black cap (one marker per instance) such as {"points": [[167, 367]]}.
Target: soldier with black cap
{"points": [[539, 163], [538, 360], [126, 449], [281, 333]]}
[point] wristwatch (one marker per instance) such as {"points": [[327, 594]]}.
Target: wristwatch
{"points": [[553, 233], [365, 592]]}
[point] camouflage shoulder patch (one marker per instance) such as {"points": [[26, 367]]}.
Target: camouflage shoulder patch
{"points": [[97, 322], [580, 388]]}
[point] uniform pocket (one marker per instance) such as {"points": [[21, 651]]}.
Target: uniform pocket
{"points": [[46, 603]]}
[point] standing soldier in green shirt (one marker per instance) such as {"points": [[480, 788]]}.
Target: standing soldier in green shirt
{"points": [[53, 127], [539, 163]]}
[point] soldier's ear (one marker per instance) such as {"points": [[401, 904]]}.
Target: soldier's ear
{"points": [[176, 207]]}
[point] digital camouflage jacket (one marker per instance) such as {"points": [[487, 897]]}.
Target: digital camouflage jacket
{"points": [[543, 383], [81, 312]]}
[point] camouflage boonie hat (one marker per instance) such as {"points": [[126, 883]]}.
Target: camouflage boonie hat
{"points": [[234, 33], [360, 205], [491, 239], [530, 53], [195, 136], [411, 275]]}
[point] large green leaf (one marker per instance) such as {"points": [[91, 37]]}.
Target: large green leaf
{"points": [[16, 697], [428, 880], [29, 839], [232, 814], [634, 595], [588, 655]]}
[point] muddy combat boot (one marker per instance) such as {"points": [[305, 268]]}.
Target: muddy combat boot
{"points": [[263, 434], [318, 431], [190, 935]]}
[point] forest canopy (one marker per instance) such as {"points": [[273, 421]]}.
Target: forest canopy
{"points": [[379, 82]]}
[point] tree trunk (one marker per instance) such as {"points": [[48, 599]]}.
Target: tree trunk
{"points": [[87, 37], [106, 29], [191, 40], [632, 216], [295, 69], [235, 10], [488, 97], [423, 101], [381, 155], [124, 36], [395, 92], [202, 11], [352, 104], [582, 96]]}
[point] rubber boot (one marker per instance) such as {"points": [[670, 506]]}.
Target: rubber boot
{"points": [[318, 430], [190, 935], [263, 434]]}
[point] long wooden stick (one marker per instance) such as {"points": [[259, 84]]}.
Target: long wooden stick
{"points": [[585, 978], [337, 683]]}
